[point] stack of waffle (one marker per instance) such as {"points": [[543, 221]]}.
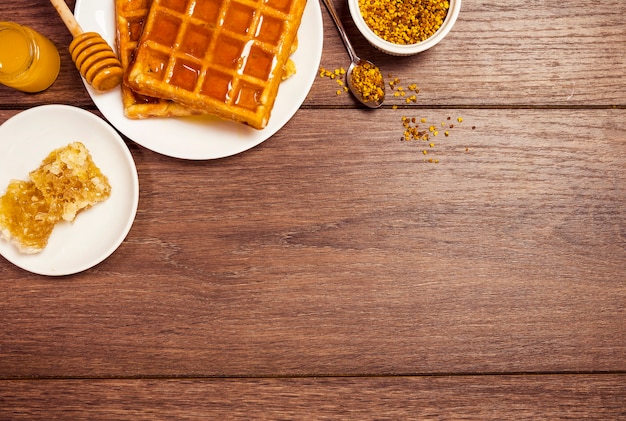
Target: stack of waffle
{"points": [[220, 57]]}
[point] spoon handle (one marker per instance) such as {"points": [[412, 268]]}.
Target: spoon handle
{"points": [[344, 36]]}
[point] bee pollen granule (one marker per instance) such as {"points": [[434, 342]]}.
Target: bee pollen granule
{"points": [[404, 21]]}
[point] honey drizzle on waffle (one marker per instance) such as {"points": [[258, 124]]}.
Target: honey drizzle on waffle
{"points": [[130, 17], [223, 56]]}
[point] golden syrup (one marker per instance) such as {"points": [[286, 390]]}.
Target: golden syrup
{"points": [[218, 85], [185, 75], [165, 30], [259, 63], [229, 52], [269, 30], [196, 41], [207, 11], [134, 29], [179, 6], [158, 64], [29, 62], [239, 18], [281, 5], [248, 96]]}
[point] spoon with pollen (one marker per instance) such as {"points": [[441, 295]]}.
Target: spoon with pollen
{"points": [[94, 58], [363, 78]]}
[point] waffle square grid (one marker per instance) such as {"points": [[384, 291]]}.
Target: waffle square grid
{"points": [[223, 56], [130, 17]]}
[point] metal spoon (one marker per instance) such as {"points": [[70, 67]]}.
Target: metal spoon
{"points": [[355, 62]]}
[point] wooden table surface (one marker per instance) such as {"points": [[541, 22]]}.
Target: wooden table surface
{"points": [[333, 272]]}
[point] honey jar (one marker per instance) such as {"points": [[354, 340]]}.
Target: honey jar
{"points": [[29, 61]]}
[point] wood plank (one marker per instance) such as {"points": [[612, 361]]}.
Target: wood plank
{"points": [[571, 55], [334, 272], [506, 256], [505, 53], [454, 397]]}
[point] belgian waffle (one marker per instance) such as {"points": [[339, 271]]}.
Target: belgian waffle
{"points": [[130, 16], [226, 57]]}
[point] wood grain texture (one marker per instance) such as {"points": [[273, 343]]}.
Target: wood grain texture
{"points": [[518, 52], [349, 254], [334, 272], [443, 398], [521, 53]]}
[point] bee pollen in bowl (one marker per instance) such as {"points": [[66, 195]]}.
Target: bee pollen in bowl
{"points": [[404, 28]]}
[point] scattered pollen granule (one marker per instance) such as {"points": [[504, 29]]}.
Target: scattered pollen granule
{"points": [[408, 93], [414, 129], [336, 75], [417, 129]]}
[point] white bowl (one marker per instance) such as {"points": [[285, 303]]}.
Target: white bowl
{"points": [[404, 49]]}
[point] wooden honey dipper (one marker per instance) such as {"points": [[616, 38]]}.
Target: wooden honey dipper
{"points": [[94, 58]]}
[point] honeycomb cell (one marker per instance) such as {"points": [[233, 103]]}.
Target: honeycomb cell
{"points": [[185, 75], [25, 215], [207, 11], [196, 41], [229, 52], [259, 63], [217, 85], [176, 5], [165, 29], [281, 5], [239, 18], [70, 181], [248, 96], [269, 30]]}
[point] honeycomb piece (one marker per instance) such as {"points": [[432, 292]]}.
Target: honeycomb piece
{"points": [[25, 219], [65, 183], [130, 16], [226, 57], [70, 181]]}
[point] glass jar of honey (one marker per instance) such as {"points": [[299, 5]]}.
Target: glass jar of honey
{"points": [[29, 61]]}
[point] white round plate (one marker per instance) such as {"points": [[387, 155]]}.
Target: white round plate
{"points": [[25, 140], [206, 137]]}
